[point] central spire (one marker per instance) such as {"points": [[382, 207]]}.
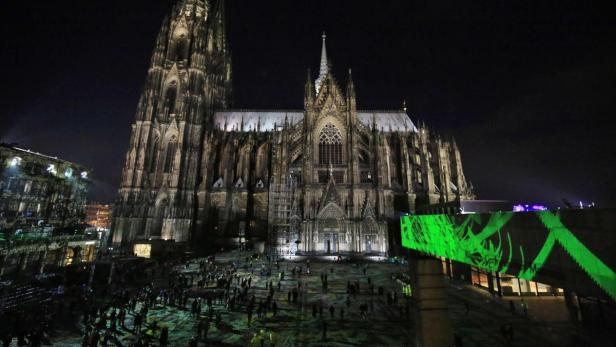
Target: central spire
{"points": [[324, 69]]}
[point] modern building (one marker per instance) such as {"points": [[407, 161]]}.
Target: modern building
{"points": [[42, 210], [328, 178]]}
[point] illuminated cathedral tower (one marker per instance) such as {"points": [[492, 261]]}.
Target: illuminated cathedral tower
{"points": [[189, 77]]}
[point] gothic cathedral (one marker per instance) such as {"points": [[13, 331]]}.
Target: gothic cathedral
{"points": [[328, 179]]}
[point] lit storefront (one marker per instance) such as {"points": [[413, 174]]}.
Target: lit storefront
{"points": [[510, 285]]}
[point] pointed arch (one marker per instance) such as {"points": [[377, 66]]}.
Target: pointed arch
{"points": [[331, 211], [151, 163], [370, 226], [179, 46], [170, 152], [330, 145], [171, 95]]}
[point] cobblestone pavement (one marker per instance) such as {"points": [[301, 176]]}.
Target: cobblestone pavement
{"points": [[294, 324], [384, 325]]}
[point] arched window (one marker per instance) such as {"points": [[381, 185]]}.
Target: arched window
{"points": [[153, 155], [170, 156], [171, 97], [330, 145], [181, 49]]}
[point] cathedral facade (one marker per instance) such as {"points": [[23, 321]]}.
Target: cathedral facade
{"points": [[327, 179]]}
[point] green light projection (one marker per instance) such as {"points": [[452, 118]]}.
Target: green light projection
{"points": [[439, 235]]}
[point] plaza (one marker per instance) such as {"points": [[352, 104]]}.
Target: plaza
{"points": [[476, 317]]}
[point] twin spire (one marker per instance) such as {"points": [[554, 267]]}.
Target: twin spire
{"points": [[324, 68]]}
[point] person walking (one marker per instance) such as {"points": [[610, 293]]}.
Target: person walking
{"points": [[503, 331], [137, 323], [164, 337], [324, 330], [510, 332]]}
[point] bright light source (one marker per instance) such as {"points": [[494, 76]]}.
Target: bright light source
{"points": [[84, 174], [16, 161], [51, 168], [527, 208], [142, 250], [68, 173]]}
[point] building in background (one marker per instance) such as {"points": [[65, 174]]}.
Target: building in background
{"points": [[98, 216], [42, 211], [40, 193], [330, 178]]}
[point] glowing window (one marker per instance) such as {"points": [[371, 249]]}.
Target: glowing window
{"points": [[16, 161], [142, 250]]}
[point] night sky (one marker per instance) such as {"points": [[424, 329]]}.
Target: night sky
{"points": [[528, 89]]}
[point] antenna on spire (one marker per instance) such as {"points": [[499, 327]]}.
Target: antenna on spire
{"points": [[404, 105]]}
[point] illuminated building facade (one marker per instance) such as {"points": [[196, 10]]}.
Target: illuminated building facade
{"points": [[40, 192], [42, 201], [327, 179]]}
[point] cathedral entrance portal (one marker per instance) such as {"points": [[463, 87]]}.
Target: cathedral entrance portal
{"points": [[330, 241], [368, 243], [329, 227]]}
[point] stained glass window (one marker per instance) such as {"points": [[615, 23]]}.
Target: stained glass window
{"points": [[330, 145]]}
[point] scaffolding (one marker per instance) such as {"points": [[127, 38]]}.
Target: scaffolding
{"points": [[281, 205]]}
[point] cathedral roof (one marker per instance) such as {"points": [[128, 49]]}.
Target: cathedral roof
{"points": [[264, 120], [387, 120]]}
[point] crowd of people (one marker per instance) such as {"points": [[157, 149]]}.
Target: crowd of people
{"points": [[206, 290]]}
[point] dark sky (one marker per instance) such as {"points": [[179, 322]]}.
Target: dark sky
{"points": [[528, 88]]}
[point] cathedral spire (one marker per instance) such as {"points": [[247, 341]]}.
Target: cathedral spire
{"points": [[221, 36], [324, 68]]}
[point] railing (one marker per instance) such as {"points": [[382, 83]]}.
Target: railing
{"points": [[20, 242]]}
